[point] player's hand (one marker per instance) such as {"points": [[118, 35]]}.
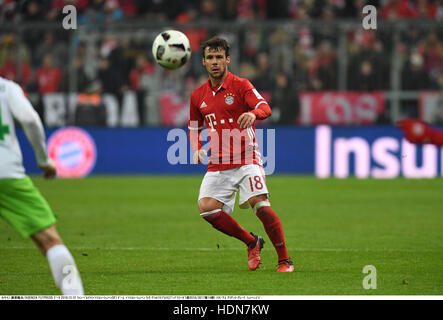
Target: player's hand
{"points": [[246, 120], [415, 130], [49, 170], [199, 156]]}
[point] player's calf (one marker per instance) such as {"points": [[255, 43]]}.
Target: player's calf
{"points": [[46, 238], [273, 227], [211, 210], [61, 262]]}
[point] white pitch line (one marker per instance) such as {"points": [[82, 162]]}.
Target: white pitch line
{"points": [[233, 249]]}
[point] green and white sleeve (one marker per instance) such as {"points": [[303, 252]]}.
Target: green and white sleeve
{"points": [[25, 114]]}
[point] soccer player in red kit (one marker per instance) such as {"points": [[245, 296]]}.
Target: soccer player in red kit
{"points": [[229, 105]]}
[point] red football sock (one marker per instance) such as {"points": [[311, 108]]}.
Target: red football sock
{"points": [[274, 229], [225, 223]]}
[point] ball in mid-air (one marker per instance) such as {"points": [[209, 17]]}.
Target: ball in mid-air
{"points": [[171, 49]]}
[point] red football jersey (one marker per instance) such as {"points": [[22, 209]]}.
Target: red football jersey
{"points": [[219, 108]]}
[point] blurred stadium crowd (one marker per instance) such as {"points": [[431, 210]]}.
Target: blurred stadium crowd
{"points": [[304, 46], [238, 10]]}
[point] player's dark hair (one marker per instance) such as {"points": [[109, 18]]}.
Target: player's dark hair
{"points": [[215, 43]]}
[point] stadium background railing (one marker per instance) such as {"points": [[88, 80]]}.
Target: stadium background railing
{"points": [[314, 56]]}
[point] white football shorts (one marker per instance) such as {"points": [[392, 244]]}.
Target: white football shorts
{"points": [[223, 186]]}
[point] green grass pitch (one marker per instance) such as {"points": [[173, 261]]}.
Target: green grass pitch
{"points": [[143, 236]]}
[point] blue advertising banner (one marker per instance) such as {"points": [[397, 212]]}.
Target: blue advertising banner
{"points": [[324, 151]]}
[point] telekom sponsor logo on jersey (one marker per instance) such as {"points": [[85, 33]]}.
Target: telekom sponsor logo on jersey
{"points": [[181, 152], [73, 151]]}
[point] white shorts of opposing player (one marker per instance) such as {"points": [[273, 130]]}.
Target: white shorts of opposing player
{"points": [[248, 180]]}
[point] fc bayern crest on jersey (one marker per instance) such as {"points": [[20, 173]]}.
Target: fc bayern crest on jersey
{"points": [[229, 98], [73, 151]]}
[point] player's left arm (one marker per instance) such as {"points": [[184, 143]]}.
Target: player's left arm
{"points": [[26, 115], [259, 107]]}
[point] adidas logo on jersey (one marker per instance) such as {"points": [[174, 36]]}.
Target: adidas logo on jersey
{"points": [[203, 105]]}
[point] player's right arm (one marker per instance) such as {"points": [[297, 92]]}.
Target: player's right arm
{"points": [[195, 127], [25, 114]]}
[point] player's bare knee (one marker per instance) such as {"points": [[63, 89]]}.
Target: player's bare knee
{"points": [[209, 204], [209, 207], [258, 202]]}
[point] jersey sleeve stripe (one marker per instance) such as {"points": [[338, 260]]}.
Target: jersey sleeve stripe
{"points": [[256, 106]]}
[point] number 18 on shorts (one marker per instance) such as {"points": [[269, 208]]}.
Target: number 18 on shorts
{"points": [[248, 180]]}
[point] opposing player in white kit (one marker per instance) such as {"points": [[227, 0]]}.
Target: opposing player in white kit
{"points": [[21, 204], [228, 106]]}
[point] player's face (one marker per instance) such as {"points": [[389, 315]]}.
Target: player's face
{"points": [[216, 62]]}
